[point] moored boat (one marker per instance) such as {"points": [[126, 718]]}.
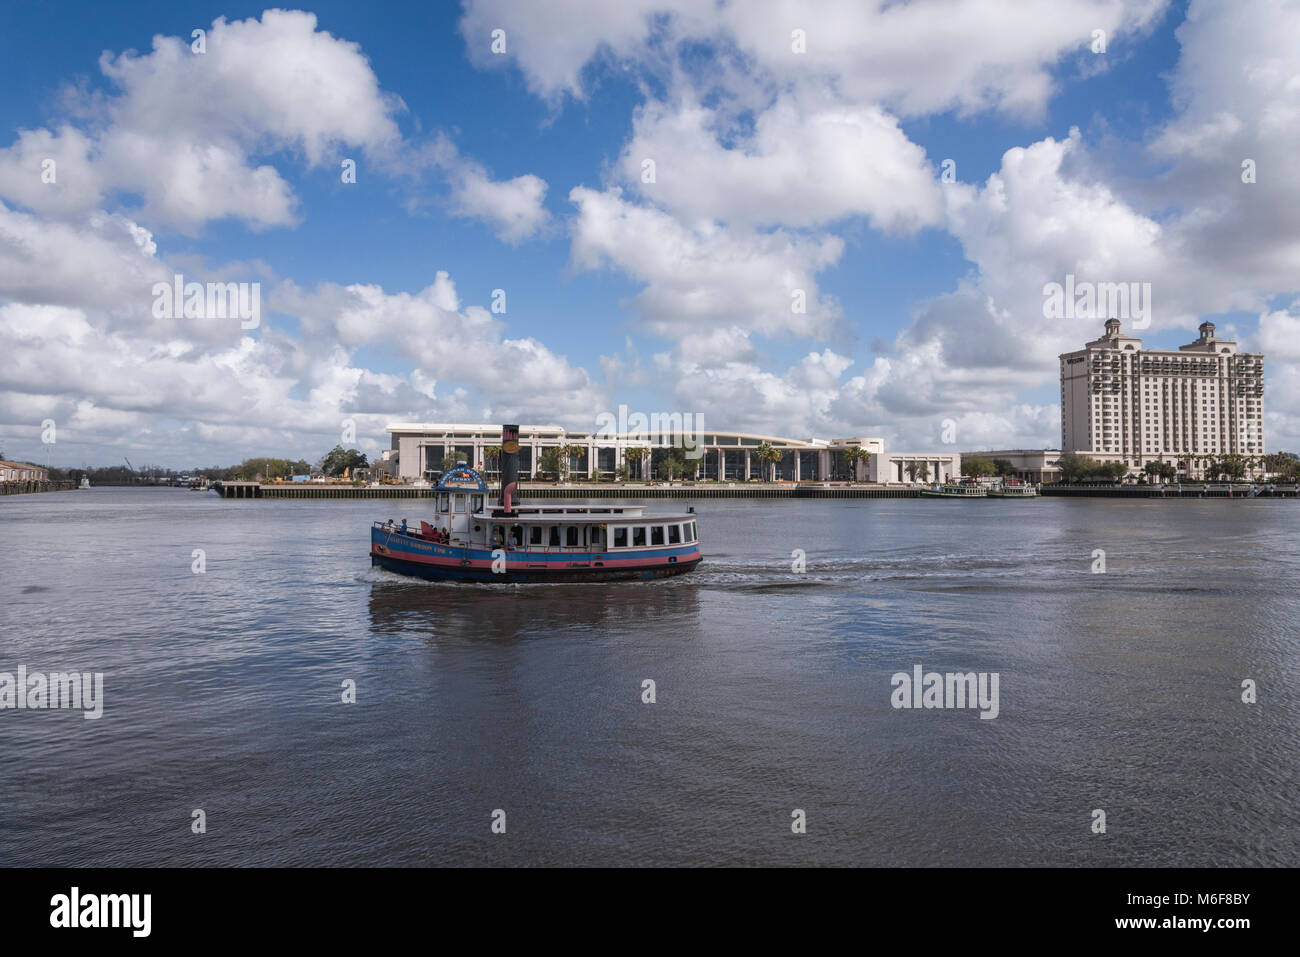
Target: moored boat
{"points": [[955, 490], [471, 539], [1013, 488]]}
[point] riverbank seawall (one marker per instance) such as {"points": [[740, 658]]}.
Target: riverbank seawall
{"points": [[24, 488], [573, 490]]}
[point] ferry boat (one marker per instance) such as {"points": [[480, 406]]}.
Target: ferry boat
{"points": [[955, 490], [1013, 488], [85, 482], [471, 539]]}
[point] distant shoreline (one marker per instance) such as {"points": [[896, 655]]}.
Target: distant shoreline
{"points": [[805, 490]]}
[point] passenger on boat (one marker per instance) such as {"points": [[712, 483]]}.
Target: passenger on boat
{"points": [[403, 526], [497, 537], [514, 540]]}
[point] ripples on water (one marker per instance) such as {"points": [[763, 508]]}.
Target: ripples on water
{"points": [[1118, 691]]}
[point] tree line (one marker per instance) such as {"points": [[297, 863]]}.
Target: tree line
{"points": [[1230, 466], [259, 469]]}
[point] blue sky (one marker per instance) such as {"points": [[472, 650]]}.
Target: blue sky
{"points": [[777, 171]]}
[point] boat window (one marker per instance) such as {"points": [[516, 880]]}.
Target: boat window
{"points": [[638, 535], [516, 536], [690, 531], [476, 503], [620, 537], [535, 535], [597, 537], [571, 536], [443, 502], [656, 534], [674, 534], [458, 503], [554, 539]]}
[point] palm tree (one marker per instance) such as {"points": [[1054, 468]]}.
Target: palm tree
{"points": [[923, 472], [911, 468], [564, 455], [492, 453], [635, 455], [766, 453], [853, 455]]}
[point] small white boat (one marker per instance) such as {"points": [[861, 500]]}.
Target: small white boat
{"points": [[955, 490], [1013, 488]]}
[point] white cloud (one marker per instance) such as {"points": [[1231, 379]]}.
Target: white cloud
{"points": [[514, 206], [706, 272], [805, 164], [917, 58], [181, 128]]}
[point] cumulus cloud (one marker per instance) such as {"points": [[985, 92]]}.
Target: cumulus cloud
{"points": [[100, 382], [804, 164], [514, 208], [183, 131], [763, 280], [181, 128], [964, 55]]}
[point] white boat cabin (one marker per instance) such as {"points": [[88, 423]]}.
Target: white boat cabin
{"points": [[463, 516]]}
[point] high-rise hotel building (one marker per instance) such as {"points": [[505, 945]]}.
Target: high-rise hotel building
{"points": [[1120, 402]]}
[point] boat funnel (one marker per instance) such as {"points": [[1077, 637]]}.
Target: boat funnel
{"points": [[509, 466]]}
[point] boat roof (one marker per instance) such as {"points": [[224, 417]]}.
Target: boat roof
{"points": [[585, 516], [576, 509]]}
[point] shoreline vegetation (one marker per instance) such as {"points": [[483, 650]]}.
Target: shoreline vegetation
{"points": [[333, 464]]}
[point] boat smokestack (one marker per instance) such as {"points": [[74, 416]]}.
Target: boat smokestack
{"points": [[509, 466]]}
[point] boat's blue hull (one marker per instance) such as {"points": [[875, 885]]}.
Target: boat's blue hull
{"points": [[418, 557], [524, 575]]}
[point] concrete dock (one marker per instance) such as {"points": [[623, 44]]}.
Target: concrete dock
{"points": [[534, 492]]}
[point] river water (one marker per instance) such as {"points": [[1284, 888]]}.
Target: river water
{"points": [[1119, 691]]}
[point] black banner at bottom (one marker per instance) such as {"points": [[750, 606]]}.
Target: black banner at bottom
{"points": [[337, 907]]}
